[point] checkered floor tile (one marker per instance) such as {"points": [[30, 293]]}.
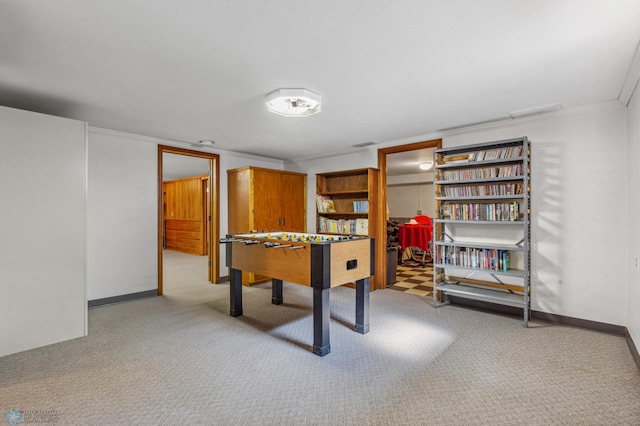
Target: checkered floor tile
{"points": [[414, 279]]}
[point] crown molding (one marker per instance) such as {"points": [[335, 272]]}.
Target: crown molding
{"points": [[631, 82], [179, 144]]}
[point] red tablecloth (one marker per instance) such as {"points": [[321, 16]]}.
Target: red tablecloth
{"points": [[415, 236]]}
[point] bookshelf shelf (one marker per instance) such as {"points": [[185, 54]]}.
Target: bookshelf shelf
{"points": [[512, 247], [467, 164], [354, 196], [482, 193], [364, 214], [480, 222], [503, 297], [354, 192], [479, 180], [485, 197], [509, 273]]}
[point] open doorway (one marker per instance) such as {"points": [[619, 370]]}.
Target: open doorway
{"points": [[193, 175], [411, 193]]}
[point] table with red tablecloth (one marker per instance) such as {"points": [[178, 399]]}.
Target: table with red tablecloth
{"points": [[418, 235], [415, 236]]}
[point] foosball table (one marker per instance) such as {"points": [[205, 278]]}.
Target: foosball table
{"points": [[315, 260]]}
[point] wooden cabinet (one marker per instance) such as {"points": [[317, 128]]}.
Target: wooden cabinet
{"points": [[266, 200], [355, 198], [185, 214]]}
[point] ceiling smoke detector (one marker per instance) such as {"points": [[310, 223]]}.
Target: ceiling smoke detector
{"points": [[294, 102]]}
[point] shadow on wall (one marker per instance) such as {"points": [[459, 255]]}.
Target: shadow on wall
{"points": [[547, 217]]}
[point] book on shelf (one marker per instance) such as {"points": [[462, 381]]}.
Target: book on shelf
{"points": [[499, 189], [325, 204], [504, 171], [360, 206], [497, 153], [485, 155], [362, 227], [504, 212], [343, 226], [470, 257], [452, 159]]}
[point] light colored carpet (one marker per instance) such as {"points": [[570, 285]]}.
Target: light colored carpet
{"points": [[181, 359]]}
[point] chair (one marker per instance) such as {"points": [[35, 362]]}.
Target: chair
{"points": [[422, 220], [416, 253]]}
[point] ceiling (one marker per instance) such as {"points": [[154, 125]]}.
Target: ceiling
{"points": [[386, 71]]}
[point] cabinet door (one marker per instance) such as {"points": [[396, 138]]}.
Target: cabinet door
{"points": [[293, 202], [266, 201], [239, 193]]}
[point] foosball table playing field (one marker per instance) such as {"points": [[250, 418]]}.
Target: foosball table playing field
{"points": [[319, 261]]}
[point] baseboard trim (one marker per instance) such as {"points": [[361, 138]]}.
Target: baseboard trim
{"points": [[223, 279], [122, 298], [632, 347], [618, 330]]}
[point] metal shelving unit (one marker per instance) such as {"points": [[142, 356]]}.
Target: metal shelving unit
{"points": [[482, 228]]}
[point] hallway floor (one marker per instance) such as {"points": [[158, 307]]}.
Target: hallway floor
{"points": [[414, 279]]}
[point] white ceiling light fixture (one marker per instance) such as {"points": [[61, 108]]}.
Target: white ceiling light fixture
{"points": [[427, 165], [294, 102]]}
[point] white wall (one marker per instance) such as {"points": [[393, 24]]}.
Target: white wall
{"points": [[122, 210], [405, 200], [406, 194], [122, 227], [578, 205], [43, 174], [579, 190], [633, 269]]}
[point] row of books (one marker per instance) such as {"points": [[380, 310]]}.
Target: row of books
{"points": [[360, 206], [481, 211], [343, 226], [512, 170], [482, 190], [325, 204], [497, 154], [468, 257]]}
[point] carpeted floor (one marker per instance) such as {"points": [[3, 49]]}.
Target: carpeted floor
{"points": [[181, 359]]}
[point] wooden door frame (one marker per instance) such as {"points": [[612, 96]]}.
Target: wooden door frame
{"points": [[382, 200], [213, 198]]}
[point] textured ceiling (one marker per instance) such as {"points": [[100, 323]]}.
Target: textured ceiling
{"points": [[387, 71]]}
